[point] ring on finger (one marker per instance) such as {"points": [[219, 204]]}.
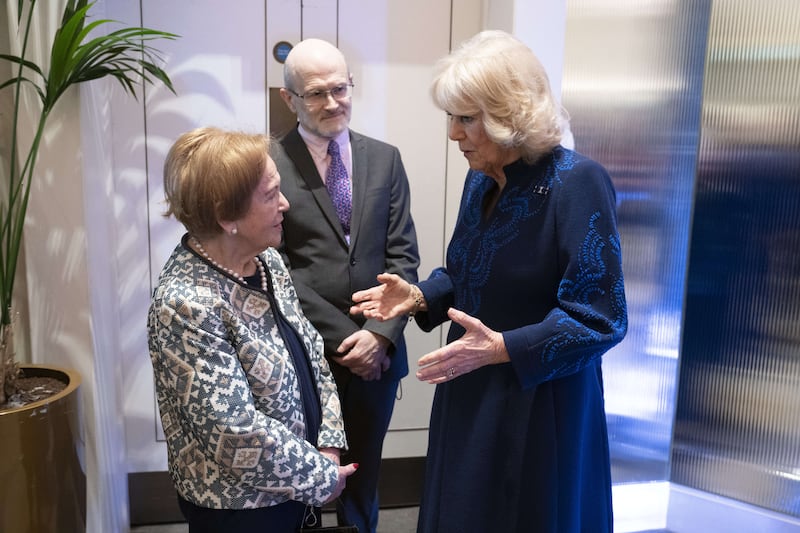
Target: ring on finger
{"points": [[451, 372]]}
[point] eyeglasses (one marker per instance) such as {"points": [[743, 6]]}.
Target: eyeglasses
{"points": [[319, 97]]}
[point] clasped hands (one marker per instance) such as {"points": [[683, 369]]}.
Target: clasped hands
{"points": [[365, 354], [479, 346]]}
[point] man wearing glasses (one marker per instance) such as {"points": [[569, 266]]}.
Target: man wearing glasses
{"points": [[348, 221]]}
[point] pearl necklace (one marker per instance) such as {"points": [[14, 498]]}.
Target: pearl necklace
{"points": [[261, 270]]}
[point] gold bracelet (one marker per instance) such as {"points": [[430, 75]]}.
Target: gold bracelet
{"points": [[415, 293]]}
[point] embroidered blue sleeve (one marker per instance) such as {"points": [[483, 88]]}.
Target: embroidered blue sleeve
{"points": [[591, 315]]}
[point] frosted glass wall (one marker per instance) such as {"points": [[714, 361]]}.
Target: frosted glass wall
{"points": [[633, 83], [694, 107], [737, 430]]}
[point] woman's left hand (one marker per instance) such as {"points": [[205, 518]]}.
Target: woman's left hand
{"points": [[479, 346]]}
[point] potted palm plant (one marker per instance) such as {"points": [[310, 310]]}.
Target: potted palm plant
{"points": [[79, 51]]}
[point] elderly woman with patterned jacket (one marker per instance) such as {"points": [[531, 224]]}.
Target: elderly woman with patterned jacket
{"points": [[248, 404], [533, 286]]}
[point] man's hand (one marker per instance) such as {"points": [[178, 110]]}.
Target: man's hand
{"points": [[365, 354]]}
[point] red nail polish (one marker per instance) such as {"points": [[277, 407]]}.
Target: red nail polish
{"points": [[355, 465]]}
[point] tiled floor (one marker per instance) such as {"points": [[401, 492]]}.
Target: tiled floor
{"points": [[402, 520]]}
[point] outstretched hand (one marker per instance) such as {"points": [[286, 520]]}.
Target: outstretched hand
{"points": [[479, 346], [388, 300]]}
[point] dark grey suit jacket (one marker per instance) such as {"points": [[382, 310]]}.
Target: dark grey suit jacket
{"points": [[325, 270]]}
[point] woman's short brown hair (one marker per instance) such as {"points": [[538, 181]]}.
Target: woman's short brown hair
{"points": [[210, 175]]}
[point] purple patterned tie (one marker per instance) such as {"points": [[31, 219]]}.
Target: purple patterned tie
{"points": [[338, 185]]}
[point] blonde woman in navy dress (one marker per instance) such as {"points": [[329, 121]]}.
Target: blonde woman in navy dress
{"points": [[533, 288]]}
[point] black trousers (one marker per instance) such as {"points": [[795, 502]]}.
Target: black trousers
{"points": [[286, 517], [367, 409]]}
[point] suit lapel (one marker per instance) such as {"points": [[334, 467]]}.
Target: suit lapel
{"points": [[359, 181], [297, 151]]}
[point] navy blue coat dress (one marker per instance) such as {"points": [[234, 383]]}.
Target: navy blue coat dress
{"points": [[523, 446]]}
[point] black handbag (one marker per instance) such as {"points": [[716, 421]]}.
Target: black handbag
{"points": [[330, 529]]}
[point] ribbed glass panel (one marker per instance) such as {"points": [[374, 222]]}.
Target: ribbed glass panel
{"points": [[737, 431], [633, 85]]}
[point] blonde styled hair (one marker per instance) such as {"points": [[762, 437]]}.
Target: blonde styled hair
{"points": [[498, 76], [210, 176]]}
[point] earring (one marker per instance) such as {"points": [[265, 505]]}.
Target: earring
{"points": [[234, 231]]}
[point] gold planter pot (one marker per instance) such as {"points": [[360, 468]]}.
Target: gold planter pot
{"points": [[42, 482]]}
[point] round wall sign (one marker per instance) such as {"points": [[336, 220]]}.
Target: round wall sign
{"points": [[281, 50]]}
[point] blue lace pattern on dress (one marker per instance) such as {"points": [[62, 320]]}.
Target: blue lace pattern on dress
{"points": [[592, 312], [472, 252]]}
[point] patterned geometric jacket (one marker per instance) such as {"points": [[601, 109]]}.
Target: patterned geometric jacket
{"points": [[228, 392]]}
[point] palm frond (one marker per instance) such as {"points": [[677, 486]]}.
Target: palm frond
{"points": [[23, 79], [79, 52], [20, 7], [71, 7], [123, 54], [76, 56], [30, 65]]}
